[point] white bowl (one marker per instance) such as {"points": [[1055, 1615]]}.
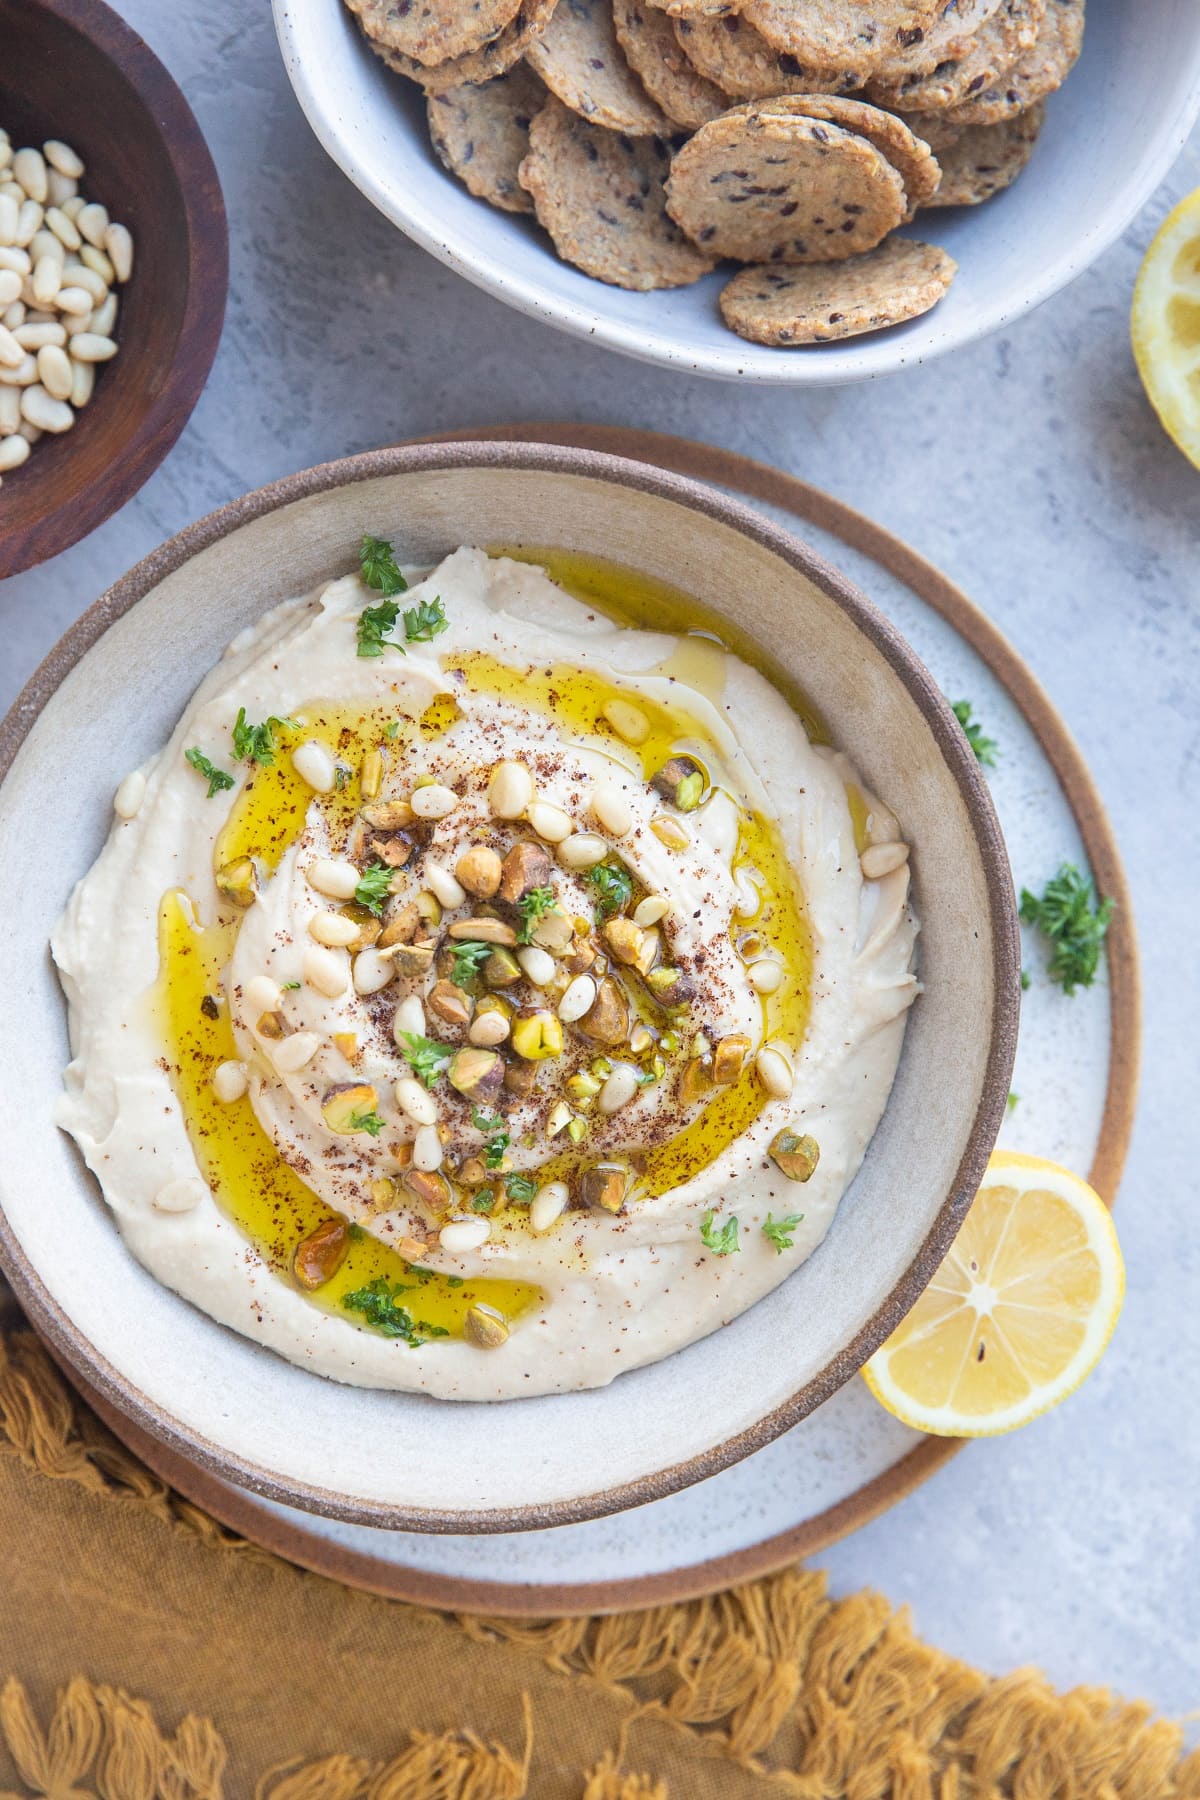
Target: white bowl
{"points": [[108, 697], [1111, 134]]}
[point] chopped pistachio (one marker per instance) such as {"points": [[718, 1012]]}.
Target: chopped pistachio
{"points": [[348, 1103], [272, 1025], [317, 1257], [449, 1003], [625, 939], [560, 1117], [412, 959], [370, 776], [384, 1193], [431, 1188], [607, 1020], [728, 1058], [669, 985], [794, 1155], [477, 1073], [485, 931], [238, 881], [389, 815], [603, 1185], [582, 1087], [520, 1079], [537, 1035], [681, 781], [527, 866], [485, 1328], [694, 1082], [502, 969]]}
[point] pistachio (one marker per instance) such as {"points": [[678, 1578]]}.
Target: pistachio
{"points": [[526, 866], [537, 1035], [345, 1041], [485, 1328], [479, 870], [682, 782], [520, 1079], [484, 931], [384, 1193], [272, 1025], [559, 1118], [346, 1105], [628, 721], [449, 1003], [370, 775], [389, 815], [577, 1130], [501, 969], [794, 1155], [411, 1249], [603, 1185], [429, 909], [669, 985], [695, 1082], [401, 925], [238, 881], [431, 1188], [395, 851], [473, 1172], [728, 1056], [510, 789], [318, 1256], [476, 1073], [625, 939], [412, 959], [607, 1019], [670, 832], [578, 956], [640, 1040], [582, 1087]]}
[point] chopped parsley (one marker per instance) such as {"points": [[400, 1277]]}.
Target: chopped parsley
{"points": [[483, 1201], [217, 779], [520, 1189], [495, 1136], [985, 748], [779, 1231], [466, 960], [374, 886], [429, 1059], [378, 1304], [533, 906], [1012, 1103], [369, 1122], [375, 625], [392, 730], [424, 622], [257, 741], [1076, 926], [289, 987], [380, 570], [721, 1240], [614, 889]]}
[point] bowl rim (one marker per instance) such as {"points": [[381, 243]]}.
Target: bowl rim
{"points": [[184, 146], [69, 1342], [834, 364]]}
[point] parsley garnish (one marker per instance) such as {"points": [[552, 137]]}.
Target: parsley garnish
{"points": [[217, 779], [1012, 1103], [495, 1133], [378, 1304], [520, 1189], [288, 986], [614, 888], [720, 1240], [257, 741], [380, 570], [366, 1121], [985, 748], [429, 1059], [375, 884], [392, 730], [466, 960], [426, 621], [533, 906], [779, 1231], [375, 623], [483, 1201], [1075, 925]]}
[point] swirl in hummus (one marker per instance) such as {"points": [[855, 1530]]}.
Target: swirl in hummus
{"points": [[479, 995]]}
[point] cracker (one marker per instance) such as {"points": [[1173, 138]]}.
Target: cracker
{"points": [[899, 280], [433, 31], [649, 42], [844, 34], [600, 196], [933, 130], [494, 60], [696, 9], [912, 159], [767, 186], [1036, 72], [945, 38], [988, 158], [580, 61], [481, 134], [739, 60], [990, 53]]}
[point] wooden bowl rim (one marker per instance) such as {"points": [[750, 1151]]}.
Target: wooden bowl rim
{"points": [[155, 435], [70, 1344]]}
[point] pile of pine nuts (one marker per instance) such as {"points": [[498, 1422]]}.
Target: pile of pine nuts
{"points": [[61, 258]]}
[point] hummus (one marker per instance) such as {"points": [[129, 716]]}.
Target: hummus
{"points": [[479, 995]]}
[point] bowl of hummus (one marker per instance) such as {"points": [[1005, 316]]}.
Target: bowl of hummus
{"points": [[536, 1012]]}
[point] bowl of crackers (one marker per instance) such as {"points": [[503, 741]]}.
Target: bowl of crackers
{"points": [[792, 191]]}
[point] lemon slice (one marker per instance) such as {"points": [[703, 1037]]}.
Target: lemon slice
{"points": [[1017, 1315], [1165, 325]]}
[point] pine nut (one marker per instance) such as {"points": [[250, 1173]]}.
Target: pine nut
{"points": [[54, 369], [444, 886], [766, 976], [127, 801], [409, 1017], [12, 355], [670, 832], [60, 188], [36, 337], [74, 206], [63, 228], [334, 929], [510, 790], [650, 910], [103, 321], [74, 300], [550, 822], [77, 274], [314, 765], [538, 964], [263, 995], [774, 1069], [14, 450], [23, 376], [578, 999], [628, 721], [45, 412], [83, 380], [10, 412], [29, 223], [413, 1100], [231, 1079], [372, 972], [336, 880], [427, 1149], [618, 1089], [879, 860], [611, 810], [29, 169], [10, 287], [296, 1052], [15, 259], [29, 432], [487, 1029], [94, 259], [462, 1235], [10, 212], [14, 314], [47, 281], [582, 850], [326, 970], [181, 1196], [118, 246], [60, 156], [433, 801], [548, 1205], [92, 221]]}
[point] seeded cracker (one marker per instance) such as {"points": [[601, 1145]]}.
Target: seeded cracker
{"points": [[482, 135], [495, 59], [992, 51], [946, 38], [580, 61], [696, 9], [987, 158], [1036, 73], [784, 307], [600, 196], [857, 35], [779, 188], [433, 31], [739, 60], [652, 49], [912, 159]]}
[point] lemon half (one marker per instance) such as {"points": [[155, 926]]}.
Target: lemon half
{"points": [[1019, 1312], [1165, 325]]}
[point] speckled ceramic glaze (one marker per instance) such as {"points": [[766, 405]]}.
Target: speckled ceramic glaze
{"points": [[109, 696]]}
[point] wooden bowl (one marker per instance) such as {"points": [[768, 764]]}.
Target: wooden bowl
{"points": [[73, 69]]}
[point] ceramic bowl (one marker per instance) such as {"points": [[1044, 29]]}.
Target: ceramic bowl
{"points": [[73, 69], [1111, 134], [109, 695]]}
